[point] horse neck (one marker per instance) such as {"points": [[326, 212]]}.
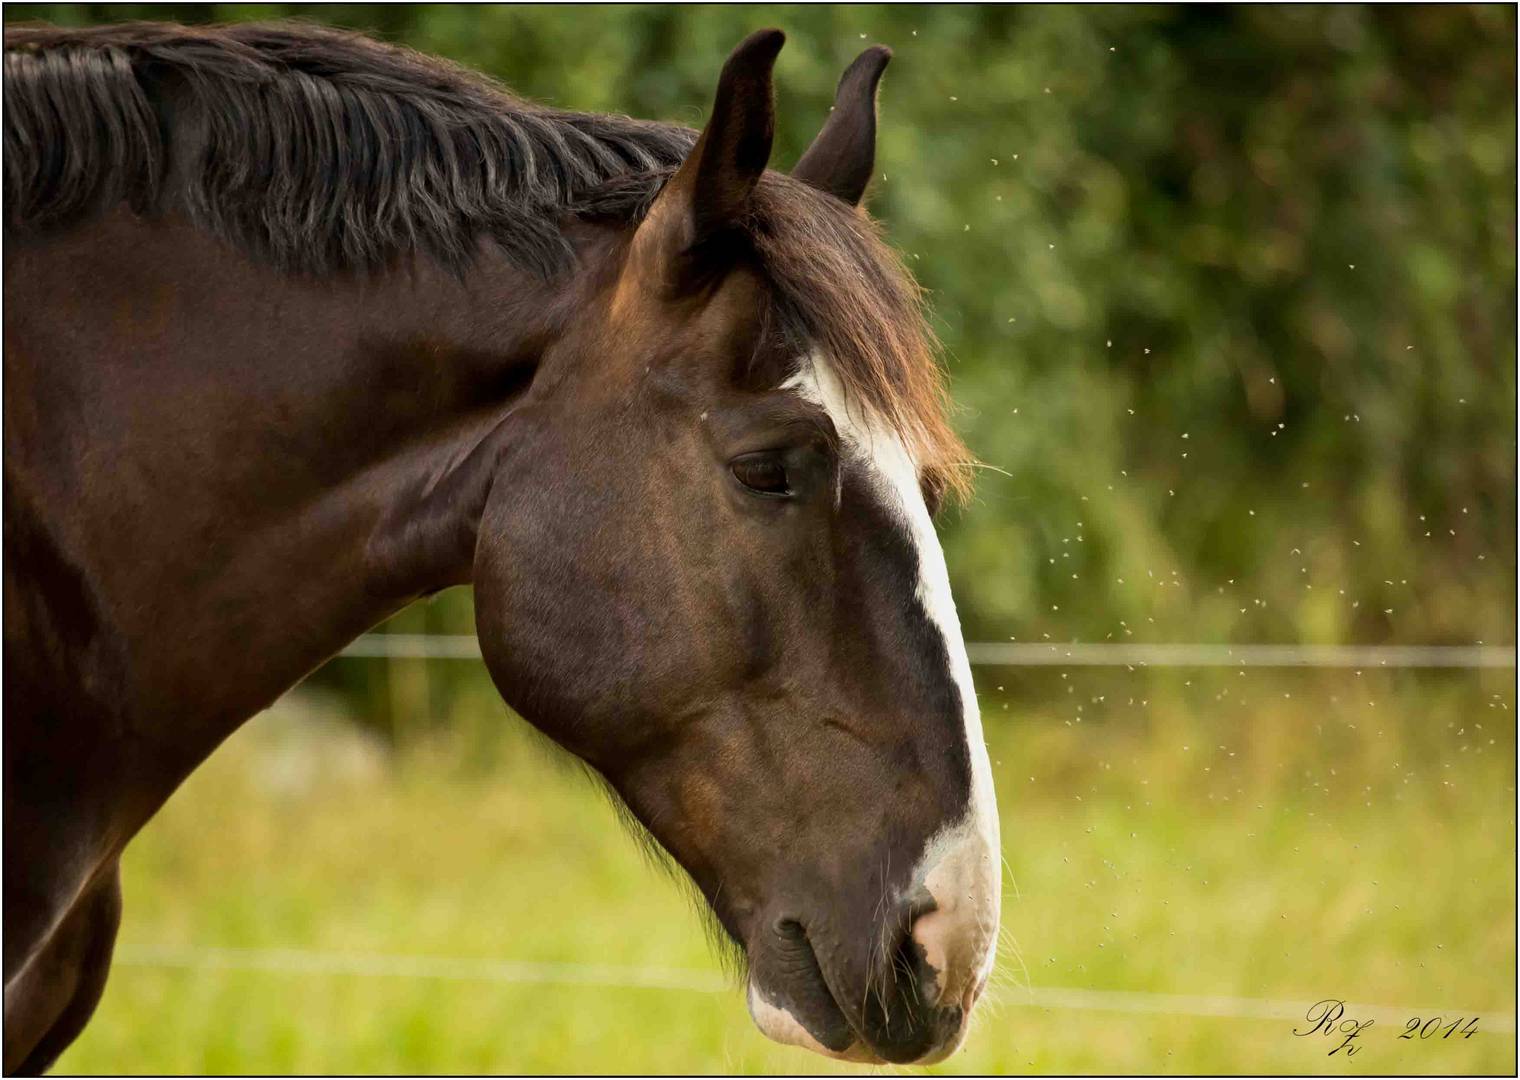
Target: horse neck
{"points": [[244, 432]]}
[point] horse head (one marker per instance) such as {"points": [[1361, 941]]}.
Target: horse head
{"points": [[707, 567]]}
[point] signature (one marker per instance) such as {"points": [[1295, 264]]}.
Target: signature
{"points": [[1328, 1019]]}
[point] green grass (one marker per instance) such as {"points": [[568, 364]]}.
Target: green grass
{"points": [[1289, 837]]}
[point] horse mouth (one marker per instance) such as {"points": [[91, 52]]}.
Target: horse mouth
{"points": [[801, 1009], [804, 1013]]}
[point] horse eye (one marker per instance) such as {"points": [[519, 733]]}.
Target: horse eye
{"points": [[762, 473]]}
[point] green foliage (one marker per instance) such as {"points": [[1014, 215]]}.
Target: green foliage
{"points": [[1227, 295]]}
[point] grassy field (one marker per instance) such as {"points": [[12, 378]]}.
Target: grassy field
{"points": [[1267, 836]]}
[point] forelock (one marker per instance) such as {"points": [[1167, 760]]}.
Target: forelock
{"points": [[845, 293]]}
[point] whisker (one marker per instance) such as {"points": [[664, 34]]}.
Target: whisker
{"points": [[1012, 880], [982, 465]]}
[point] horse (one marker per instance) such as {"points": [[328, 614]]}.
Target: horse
{"points": [[300, 327]]}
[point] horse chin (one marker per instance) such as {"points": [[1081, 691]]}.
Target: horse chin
{"points": [[934, 1057], [827, 1032], [779, 1025]]}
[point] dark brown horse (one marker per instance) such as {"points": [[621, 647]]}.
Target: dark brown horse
{"points": [[299, 327]]}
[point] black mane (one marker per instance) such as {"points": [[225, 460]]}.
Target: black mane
{"points": [[325, 151], [315, 148]]}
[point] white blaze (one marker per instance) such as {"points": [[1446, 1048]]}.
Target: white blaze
{"points": [[961, 865]]}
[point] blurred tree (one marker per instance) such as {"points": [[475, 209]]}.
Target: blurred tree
{"points": [[1227, 294]]}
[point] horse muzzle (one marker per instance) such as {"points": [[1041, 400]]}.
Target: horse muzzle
{"points": [[907, 998]]}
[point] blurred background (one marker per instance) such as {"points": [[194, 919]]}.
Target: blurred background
{"points": [[1228, 304]]}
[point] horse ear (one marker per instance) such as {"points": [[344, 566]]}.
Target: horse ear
{"points": [[709, 195], [842, 156]]}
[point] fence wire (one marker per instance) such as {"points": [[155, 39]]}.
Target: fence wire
{"points": [[1086, 654], [628, 977], [299, 962]]}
